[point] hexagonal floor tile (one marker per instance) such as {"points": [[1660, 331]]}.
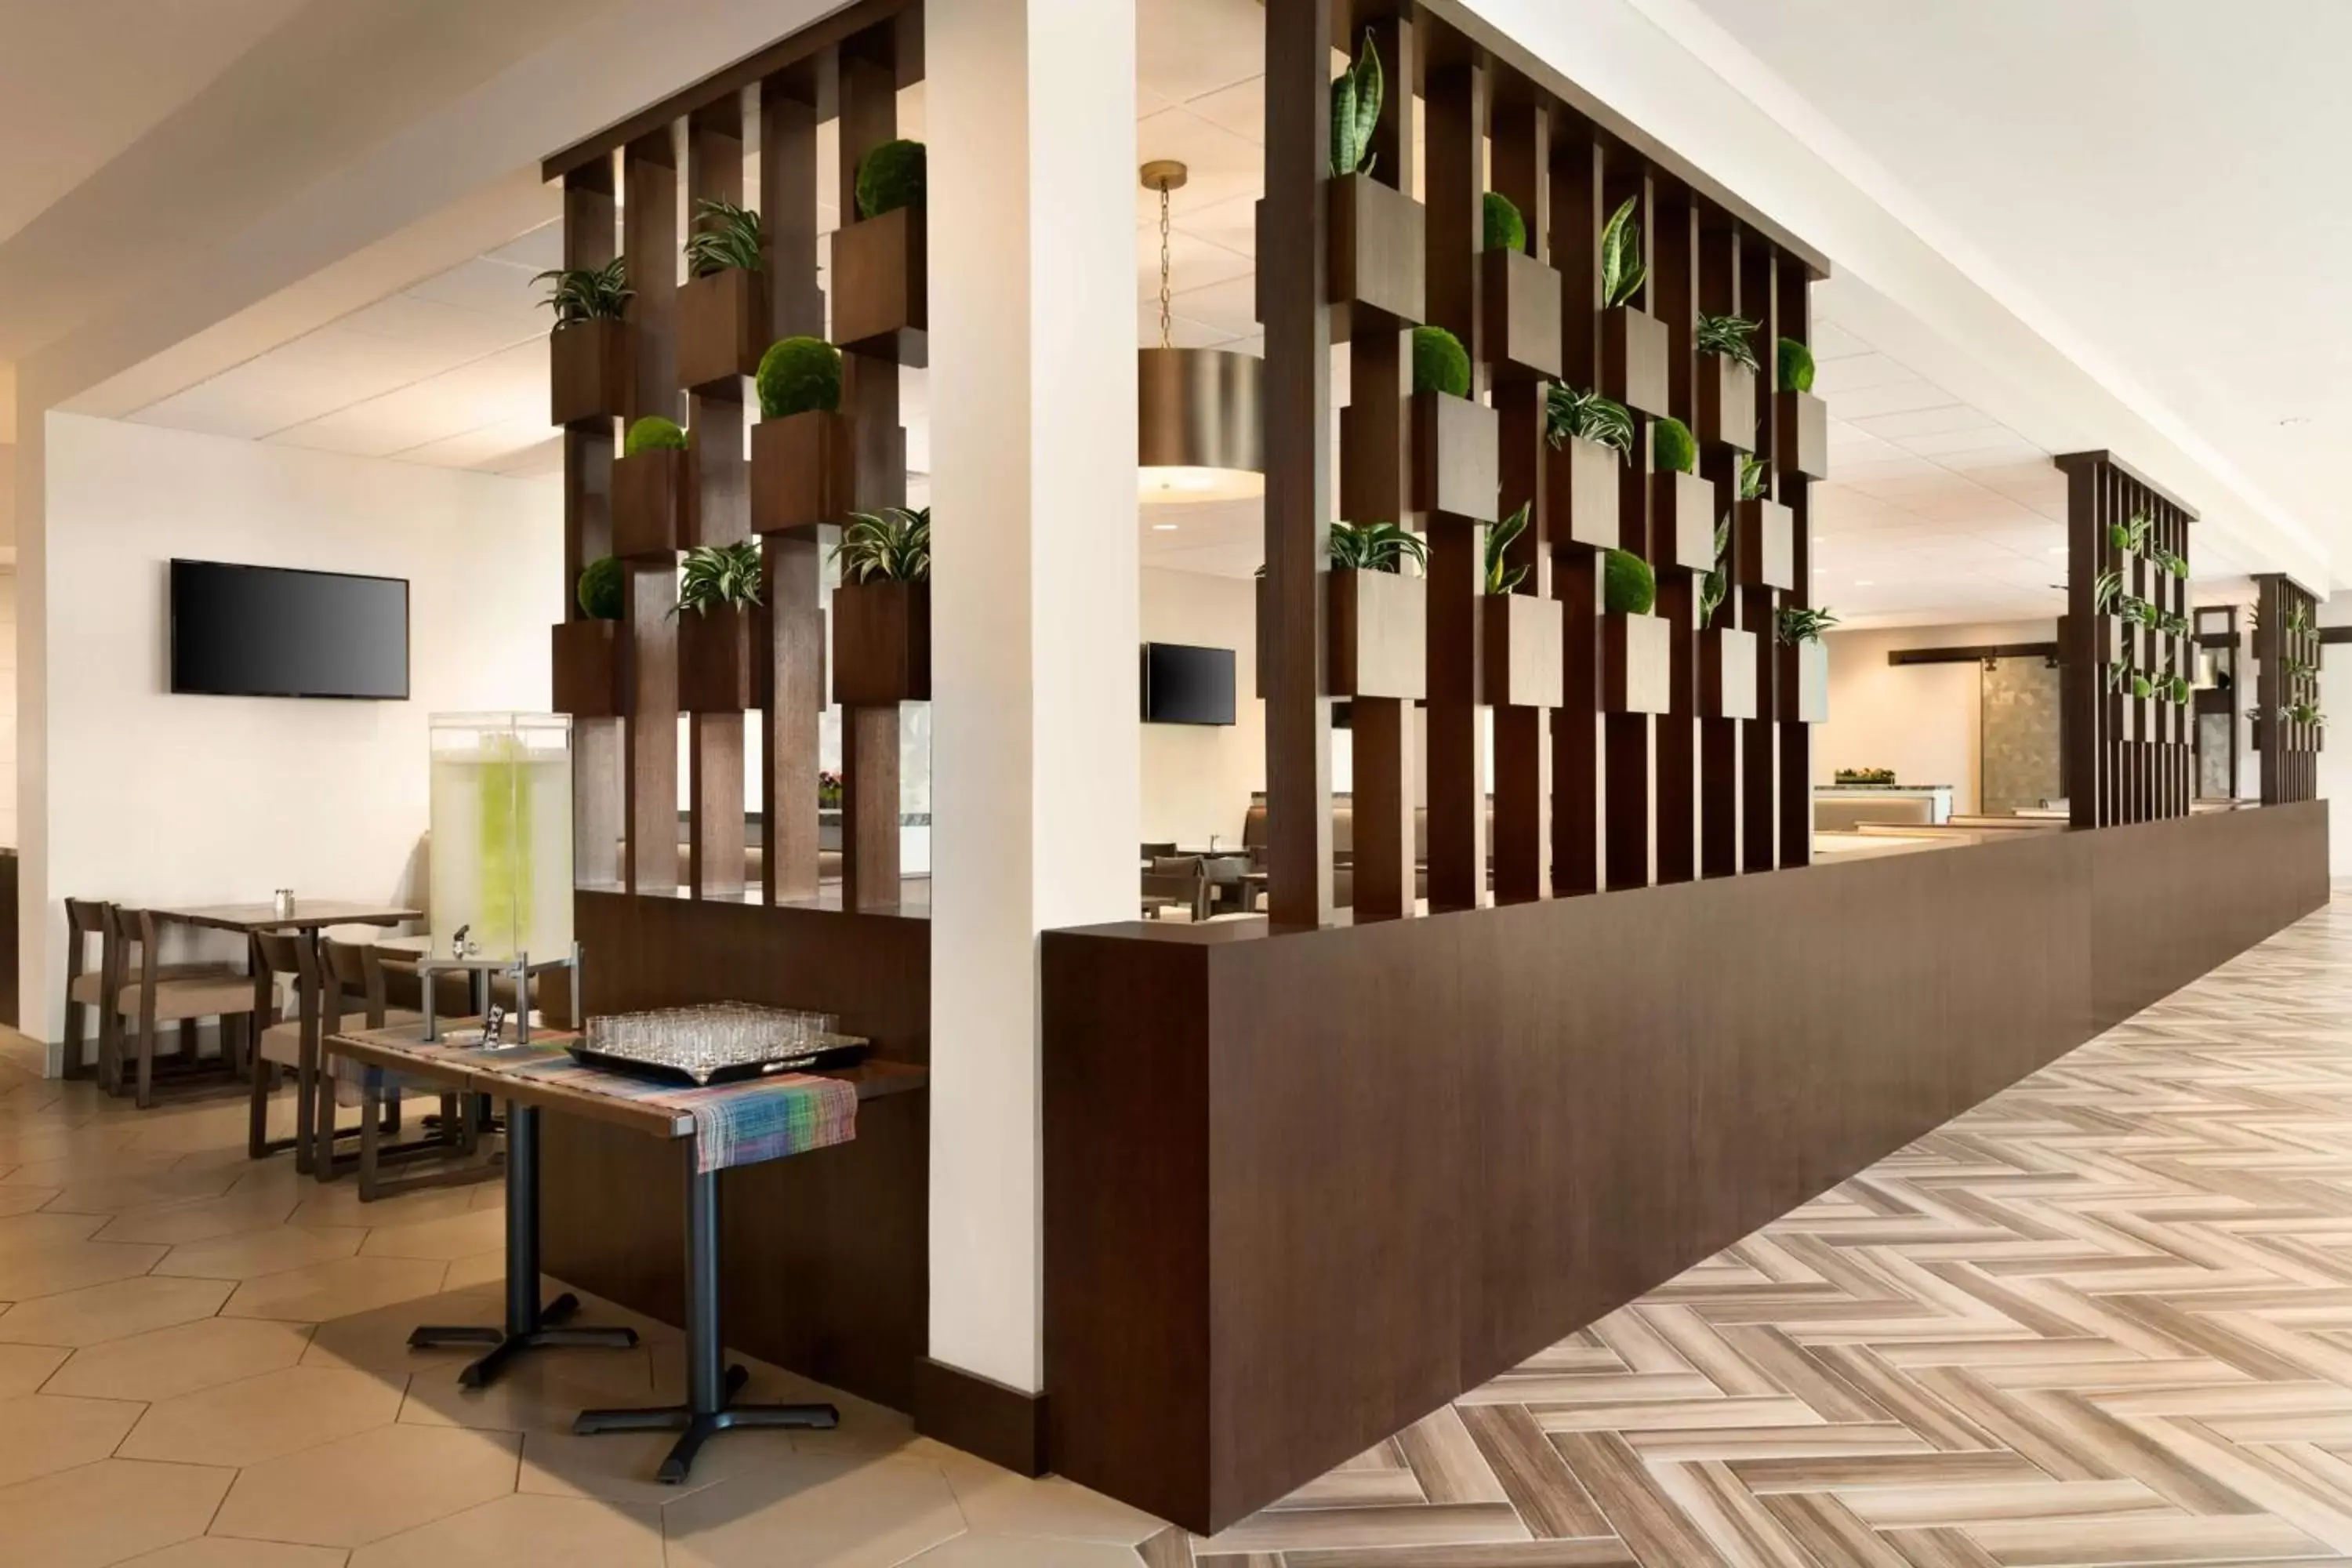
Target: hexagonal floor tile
{"points": [[51, 1268], [999, 1502], [260, 1252], [449, 1239], [198, 1220], [218, 1552], [365, 1488], [619, 1467], [1025, 1551], [24, 1368], [539, 1392], [260, 1418], [569, 1531], [24, 1232], [75, 1518], [163, 1363], [40, 1433], [23, 1200], [337, 1289], [377, 1339], [113, 1310], [813, 1509]]}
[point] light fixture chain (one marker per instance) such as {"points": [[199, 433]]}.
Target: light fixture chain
{"points": [[1167, 328]]}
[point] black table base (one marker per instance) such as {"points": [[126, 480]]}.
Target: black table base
{"points": [[529, 1326], [711, 1385]]}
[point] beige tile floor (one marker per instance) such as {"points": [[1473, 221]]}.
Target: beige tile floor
{"points": [[203, 1364]]}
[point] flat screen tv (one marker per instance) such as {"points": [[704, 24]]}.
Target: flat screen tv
{"points": [[265, 631], [1187, 685]]}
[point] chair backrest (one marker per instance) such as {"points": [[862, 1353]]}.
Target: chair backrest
{"points": [[1158, 851], [352, 970], [131, 935], [1181, 877], [85, 918], [281, 952]]}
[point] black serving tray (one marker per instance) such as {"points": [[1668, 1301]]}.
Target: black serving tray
{"points": [[845, 1053]]}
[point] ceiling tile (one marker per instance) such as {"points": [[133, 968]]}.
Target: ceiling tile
{"points": [[1903, 397], [1924, 420]]}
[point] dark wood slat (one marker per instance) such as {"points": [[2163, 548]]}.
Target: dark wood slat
{"points": [[1576, 728], [714, 169], [1673, 297], [1523, 756], [650, 242], [1792, 294], [1974, 654], [1759, 776], [598, 797], [1629, 803]]}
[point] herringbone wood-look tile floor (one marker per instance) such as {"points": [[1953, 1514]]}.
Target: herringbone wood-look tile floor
{"points": [[2105, 1318]]}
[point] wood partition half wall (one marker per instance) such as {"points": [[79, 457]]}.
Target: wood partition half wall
{"points": [[2289, 727], [1629, 748]]}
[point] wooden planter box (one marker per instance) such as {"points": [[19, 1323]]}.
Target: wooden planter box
{"points": [[1801, 429], [1764, 545], [1378, 266], [655, 504], [588, 668], [1805, 681], [1526, 648], [722, 327], [1378, 635], [881, 644], [1580, 490], [1634, 347], [881, 288], [1637, 657], [1686, 519], [1727, 403], [804, 472], [714, 661], [2112, 639], [1726, 673], [588, 371], [1521, 299], [1456, 462]]}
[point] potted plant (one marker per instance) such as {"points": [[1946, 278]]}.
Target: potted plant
{"points": [[1378, 272], [585, 655], [882, 611], [1524, 636], [1768, 531], [1520, 299], [588, 353], [1457, 469], [722, 307], [1800, 422], [880, 277], [1682, 502], [1378, 626], [1590, 438], [1726, 379], [1804, 661], [804, 461], [1726, 655], [1636, 647], [1633, 343], [718, 589], [828, 790], [656, 509]]}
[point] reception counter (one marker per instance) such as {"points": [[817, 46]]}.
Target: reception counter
{"points": [[1302, 1189], [1841, 809]]}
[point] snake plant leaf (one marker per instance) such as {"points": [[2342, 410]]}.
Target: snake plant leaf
{"points": [[1356, 98], [1623, 270], [1717, 585], [1501, 576]]}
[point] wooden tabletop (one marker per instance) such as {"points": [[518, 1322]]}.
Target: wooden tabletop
{"points": [[468, 1070], [310, 914], [421, 949]]}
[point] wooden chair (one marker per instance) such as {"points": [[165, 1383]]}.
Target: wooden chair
{"points": [[86, 987], [145, 989], [356, 984], [1179, 880]]}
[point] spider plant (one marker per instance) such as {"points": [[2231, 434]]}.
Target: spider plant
{"points": [[1586, 417], [719, 577], [1727, 337], [1356, 99], [1623, 270], [2105, 589], [1754, 475], [2118, 674], [1796, 625], [724, 235], [1502, 577], [1376, 547], [1716, 585], [578, 294], [2136, 533], [893, 545]]}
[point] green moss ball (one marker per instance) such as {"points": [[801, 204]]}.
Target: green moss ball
{"points": [[890, 177], [653, 433], [1796, 366], [599, 590], [1506, 229], [1440, 362], [1631, 588], [800, 375], [1677, 450]]}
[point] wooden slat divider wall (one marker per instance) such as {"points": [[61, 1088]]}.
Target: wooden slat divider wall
{"points": [[1577, 728], [1673, 295], [1792, 296], [1757, 607], [1522, 786], [851, 67], [2288, 652], [1629, 834], [2129, 758], [1718, 737]]}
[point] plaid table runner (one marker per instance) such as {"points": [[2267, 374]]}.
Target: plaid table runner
{"points": [[734, 1123]]}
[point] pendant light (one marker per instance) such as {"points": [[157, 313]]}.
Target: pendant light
{"points": [[1201, 438]]}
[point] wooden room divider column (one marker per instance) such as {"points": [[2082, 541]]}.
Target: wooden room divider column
{"points": [[649, 617], [1580, 502], [2289, 727], [2129, 646], [1634, 363], [1798, 668], [586, 654]]}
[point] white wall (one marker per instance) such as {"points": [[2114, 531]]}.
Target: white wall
{"points": [[1197, 779], [154, 798], [1922, 721]]}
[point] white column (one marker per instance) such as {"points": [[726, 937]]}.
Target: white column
{"points": [[1030, 116]]}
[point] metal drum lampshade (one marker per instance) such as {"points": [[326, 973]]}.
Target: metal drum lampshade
{"points": [[1201, 438]]}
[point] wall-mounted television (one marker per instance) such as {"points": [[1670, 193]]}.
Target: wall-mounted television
{"points": [[267, 631], [1185, 685]]}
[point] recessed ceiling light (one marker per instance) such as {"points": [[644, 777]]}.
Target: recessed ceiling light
{"points": [[1163, 527], [2291, 420]]}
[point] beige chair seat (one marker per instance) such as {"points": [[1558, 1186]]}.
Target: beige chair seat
{"points": [[218, 996], [85, 988], [282, 1043]]}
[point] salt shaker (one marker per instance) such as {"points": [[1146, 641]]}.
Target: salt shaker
{"points": [[284, 902]]}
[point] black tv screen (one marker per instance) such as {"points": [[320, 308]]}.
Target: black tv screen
{"points": [[265, 631], [1187, 685]]}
